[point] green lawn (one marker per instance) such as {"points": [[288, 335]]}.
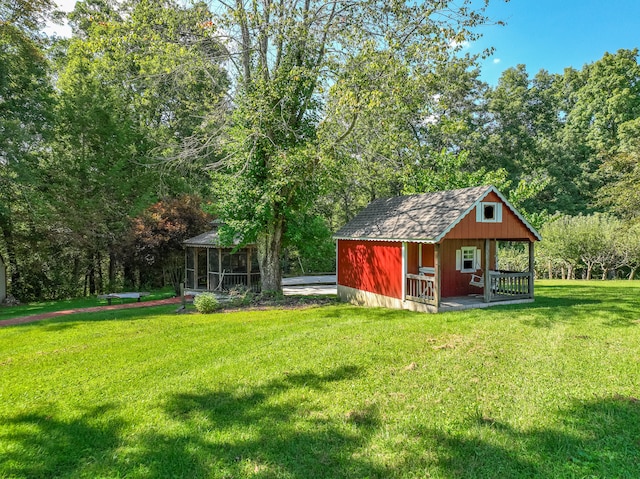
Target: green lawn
{"points": [[549, 390]]}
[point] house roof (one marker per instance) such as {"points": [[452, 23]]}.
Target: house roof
{"points": [[425, 218], [210, 239]]}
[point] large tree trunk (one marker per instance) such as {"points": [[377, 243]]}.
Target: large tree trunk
{"points": [[269, 249]]}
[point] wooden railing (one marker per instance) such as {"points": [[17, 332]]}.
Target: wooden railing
{"points": [[421, 288], [229, 280], [509, 285]]}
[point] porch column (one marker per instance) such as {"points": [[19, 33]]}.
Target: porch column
{"points": [[186, 267], [207, 271], [219, 286], [437, 262], [531, 268], [486, 269], [404, 271], [195, 268], [249, 268]]}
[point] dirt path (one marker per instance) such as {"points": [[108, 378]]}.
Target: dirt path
{"points": [[95, 309]]}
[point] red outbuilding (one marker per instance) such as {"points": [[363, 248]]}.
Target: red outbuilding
{"points": [[434, 251]]}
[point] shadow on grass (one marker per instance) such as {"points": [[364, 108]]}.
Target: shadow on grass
{"points": [[264, 432], [597, 438], [271, 431], [37, 445]]}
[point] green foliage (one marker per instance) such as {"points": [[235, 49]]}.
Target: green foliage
{"points": [[621, 190], [283, 137], [310, 246], [135, 80], [446, 171], [586, 242], [513, 257], [544, 390], [302, 114], [206, 303], [153, 243]]}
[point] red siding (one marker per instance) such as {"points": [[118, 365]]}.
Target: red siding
{"points": [[455, 283], [412, 258], [511, 228], [373, 266], [428, 255]]}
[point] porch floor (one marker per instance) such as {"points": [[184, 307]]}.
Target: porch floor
{"points": [[474, 301]]}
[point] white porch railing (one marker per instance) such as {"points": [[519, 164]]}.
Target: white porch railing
{"points": [[421, 288], [509, 285]]}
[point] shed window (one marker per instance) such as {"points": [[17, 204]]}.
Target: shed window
{"points": [[468, 259], [489, 212]]}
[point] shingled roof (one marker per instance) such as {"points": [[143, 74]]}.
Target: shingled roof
{"points": [[426, 218], [210, 239]]}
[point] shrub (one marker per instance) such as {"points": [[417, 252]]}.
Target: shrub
{"points": [[206, 303], [240, 295]]}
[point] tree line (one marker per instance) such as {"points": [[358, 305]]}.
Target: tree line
{"points": [[282, 119]]}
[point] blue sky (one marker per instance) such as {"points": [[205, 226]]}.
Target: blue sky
{"points": [[548, 34], [556, 34]]}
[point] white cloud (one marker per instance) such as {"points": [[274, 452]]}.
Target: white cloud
{"points": [[66, 5], [496, 61]]}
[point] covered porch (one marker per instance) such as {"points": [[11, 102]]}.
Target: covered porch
{"points": [[475, 282]]}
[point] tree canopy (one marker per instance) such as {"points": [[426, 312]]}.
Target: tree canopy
{"points": [[287, 117]]}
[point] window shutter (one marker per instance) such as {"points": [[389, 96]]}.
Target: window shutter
{"points": [[479, 213], [478, 258], [458, 260], [499, 212]]}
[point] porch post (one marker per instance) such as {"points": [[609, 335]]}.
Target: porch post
{"points": [[531, 268], [195, 268], [219, 286], [486, 269], [248, 268], [404, 271], [186, 266], [207, 269], [437, 262]]}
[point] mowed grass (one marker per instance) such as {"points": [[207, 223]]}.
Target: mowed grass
{"points": [[549, 390]]}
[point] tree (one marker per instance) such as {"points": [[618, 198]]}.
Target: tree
{"points": [[154, 241], [26, 99], [628, 245], [621, 193], [560, 245], [278, 146], [588, 240], [606, 96], [135, 80]]}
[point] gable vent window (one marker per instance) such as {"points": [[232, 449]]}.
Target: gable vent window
{"points": [[487, 212]]}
